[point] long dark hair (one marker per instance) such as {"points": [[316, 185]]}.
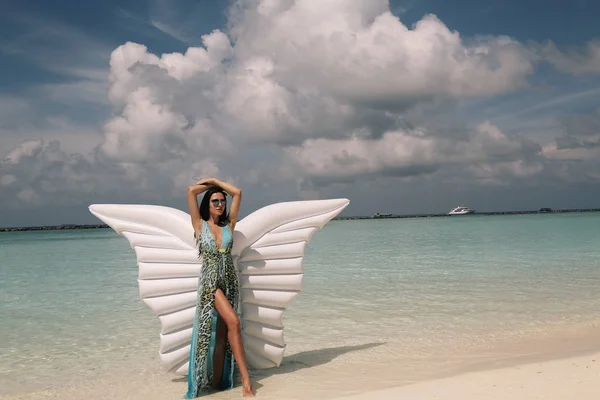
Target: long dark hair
{"points": [[205, 206]]}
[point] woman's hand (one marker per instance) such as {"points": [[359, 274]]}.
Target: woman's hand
{"points": [[206, 182]]}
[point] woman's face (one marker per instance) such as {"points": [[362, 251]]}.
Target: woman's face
{"points": [[217, 203]]}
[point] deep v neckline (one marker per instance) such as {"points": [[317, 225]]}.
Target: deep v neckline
{"points": [[213, 236]]}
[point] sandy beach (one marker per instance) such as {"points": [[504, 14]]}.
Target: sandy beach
{"points": [[565, 379], [342, 374]]}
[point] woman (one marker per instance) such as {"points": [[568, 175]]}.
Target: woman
{"points": [[216, 335]]}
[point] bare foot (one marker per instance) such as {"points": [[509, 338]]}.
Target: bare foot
{"points": [[247, 389]]}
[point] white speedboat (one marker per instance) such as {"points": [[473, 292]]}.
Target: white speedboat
{"points": [[461, 211]]}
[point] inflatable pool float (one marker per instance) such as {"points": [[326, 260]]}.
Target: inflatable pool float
{"points": [[268, 252]]}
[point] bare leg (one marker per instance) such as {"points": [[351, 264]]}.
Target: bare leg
{"points": [[219, 354], [234, 335]]}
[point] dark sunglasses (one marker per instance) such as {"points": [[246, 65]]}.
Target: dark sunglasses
{"points": [[216, 202]]}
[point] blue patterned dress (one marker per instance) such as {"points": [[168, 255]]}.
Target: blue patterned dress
{"points": [[218, 272]]}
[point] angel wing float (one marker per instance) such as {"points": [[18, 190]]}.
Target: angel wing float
{"points": [[268, 253]]}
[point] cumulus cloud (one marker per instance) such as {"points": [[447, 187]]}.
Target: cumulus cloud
{"points": [[298, 70], [360, 52], [26, 150], [409, 153], [325, 90], [33, 170], [39, 173]]}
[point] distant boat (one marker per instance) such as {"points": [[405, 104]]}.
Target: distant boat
{"points": [[461, 211]]}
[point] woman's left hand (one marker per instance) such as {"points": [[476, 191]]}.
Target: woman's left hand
{"points": [[206, 181]]}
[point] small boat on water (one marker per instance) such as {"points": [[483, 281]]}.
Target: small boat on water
{"points": [[461, 210]]}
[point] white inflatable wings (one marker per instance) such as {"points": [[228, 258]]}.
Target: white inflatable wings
{"points": [[268, 251]]}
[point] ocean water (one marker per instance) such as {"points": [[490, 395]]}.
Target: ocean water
{"points": [[400, 288]]}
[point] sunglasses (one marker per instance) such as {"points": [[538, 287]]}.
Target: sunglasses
{"points": [[216, 202]]}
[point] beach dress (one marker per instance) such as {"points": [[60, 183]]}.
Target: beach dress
{"points": [[218, 272]]}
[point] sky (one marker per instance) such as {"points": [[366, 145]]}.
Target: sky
{"points": [[403, 107]]}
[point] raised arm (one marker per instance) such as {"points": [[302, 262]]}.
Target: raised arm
{"points": [[236, 198], [193, 192]]}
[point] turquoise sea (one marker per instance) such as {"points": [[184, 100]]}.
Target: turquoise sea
{"points": [[410, 288]]}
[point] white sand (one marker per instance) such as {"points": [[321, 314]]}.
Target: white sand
{"points": [[541, 367], [576, 378]]}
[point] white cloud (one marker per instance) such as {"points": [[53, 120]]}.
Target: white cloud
{"points": [[73, 137], [358, 51], [576, 61], [34, 171], [410, 153], [122, 76], [299, 70], [197, 60], [27, 149], [327, 88], [145, 131]]}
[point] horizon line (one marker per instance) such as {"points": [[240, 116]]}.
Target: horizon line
{"points": [[375, 216]]}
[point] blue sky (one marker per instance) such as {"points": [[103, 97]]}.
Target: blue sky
{"points": [[567, 23], [54, 80]]}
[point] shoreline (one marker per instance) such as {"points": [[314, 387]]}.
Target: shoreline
{"points": [[350, 218]]}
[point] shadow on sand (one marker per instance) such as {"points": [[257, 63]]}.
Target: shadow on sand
{"points": [[296, 362], [308, 359]]}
